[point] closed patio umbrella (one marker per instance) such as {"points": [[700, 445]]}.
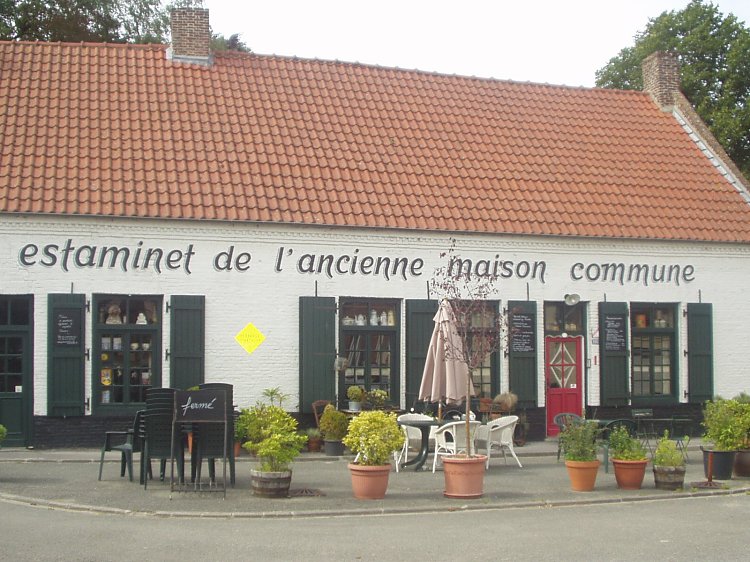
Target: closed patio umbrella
{"points": [[445, 375]]}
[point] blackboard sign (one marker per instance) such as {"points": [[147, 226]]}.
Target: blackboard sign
{"points": [[522, 333], [200, 405], [614, 333], [67, 327]]}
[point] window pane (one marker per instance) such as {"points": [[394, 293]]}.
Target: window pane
{"points": [[19, 311]]}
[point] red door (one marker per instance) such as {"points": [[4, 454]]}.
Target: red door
{"points": [[563, 368]]}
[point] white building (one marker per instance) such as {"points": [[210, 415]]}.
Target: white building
{"points": [[171, 216]]}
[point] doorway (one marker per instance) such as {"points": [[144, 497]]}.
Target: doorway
{"points": [[563, 368]]}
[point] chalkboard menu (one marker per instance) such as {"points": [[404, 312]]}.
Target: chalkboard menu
{"points": [[614, 333], [67, 327], [208, 405], [522, 333]]}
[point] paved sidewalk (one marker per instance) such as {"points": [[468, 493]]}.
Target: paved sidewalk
{"points": [[67, 479]]}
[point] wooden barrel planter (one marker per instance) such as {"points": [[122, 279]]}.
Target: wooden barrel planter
{"points": [[270, 484]]}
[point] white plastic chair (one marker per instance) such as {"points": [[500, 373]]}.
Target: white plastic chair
{"points": [[412, 438], [498, 433], [450, 439]]}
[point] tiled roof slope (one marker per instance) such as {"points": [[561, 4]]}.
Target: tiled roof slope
{"points": [[120, 130]]}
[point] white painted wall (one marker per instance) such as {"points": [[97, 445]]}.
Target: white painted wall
{"points": [[269, 298]]}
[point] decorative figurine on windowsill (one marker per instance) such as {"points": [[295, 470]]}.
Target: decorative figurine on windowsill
{"points": [[114, 314]]}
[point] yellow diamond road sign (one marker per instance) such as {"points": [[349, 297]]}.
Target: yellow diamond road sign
{"points": [[249, 337]]}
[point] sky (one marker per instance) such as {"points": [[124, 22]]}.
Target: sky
{"points": [[546, 41]]}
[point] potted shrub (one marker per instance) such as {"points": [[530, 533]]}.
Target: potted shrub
{"points": [[373, 436], [725, 427], [355, 394], [578, 442], [333, 425], [271, 434], [314, 439], [742, 457], [377, 398], [669, 464], [3, 434], [628, 457]]}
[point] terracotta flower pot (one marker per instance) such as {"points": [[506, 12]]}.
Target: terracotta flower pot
{"points": [[464, 477], [369, 482], [629, 474], [582, 474]]}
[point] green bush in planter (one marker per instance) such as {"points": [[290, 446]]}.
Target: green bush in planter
{"points": [[578, 441], [625, 447], [271, 433], [667, 453], [333, 423], [355, 393], [374, 435], [725, 422], [3, 433]]}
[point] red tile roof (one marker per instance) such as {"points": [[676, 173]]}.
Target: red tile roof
{"points": [[120, 130]]}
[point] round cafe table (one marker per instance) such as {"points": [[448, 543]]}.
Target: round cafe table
{"points": [[424, 427]]}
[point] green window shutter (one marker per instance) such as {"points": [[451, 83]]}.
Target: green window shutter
{"points": [[700, 352], [66, 358], [613, 351], [419, 327], [187, 342], [317, 351], [522, 357]]}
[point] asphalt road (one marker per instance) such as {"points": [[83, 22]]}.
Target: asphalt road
{"points": [[692, 528]]}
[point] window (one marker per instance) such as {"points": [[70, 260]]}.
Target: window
{"points": [[15, 313], [369, 336], [483, 336], [562, 318], [127, 348], [653, 357]]}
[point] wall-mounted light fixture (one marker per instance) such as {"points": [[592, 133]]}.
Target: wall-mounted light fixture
{"points": [[572, 299]]}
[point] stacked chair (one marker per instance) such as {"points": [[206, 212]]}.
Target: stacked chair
{"points": [[208, 443], [161, 440]]}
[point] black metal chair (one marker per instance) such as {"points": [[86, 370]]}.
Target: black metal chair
{"points": [[209, 438], [161, 441], [126, 443]]}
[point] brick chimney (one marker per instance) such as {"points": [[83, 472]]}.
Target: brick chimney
{"points": [[191, 36], [661, 78]]}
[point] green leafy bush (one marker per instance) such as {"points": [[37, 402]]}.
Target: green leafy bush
{"points": [[3, 433], [579, 441], [355, 393], [271, 433], [625, 447], [333, 423], [377, 398], [374, 435], [727, 423], [667, 453]]}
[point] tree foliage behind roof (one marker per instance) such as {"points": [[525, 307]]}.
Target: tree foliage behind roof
{"points": [[110, 21], [97, 21], [714, 54]]}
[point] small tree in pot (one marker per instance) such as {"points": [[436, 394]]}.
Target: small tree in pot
{"points": [[578, 442], [271, 434], [373, 436], [628, 457], [669, 464], [725, 428], [333, 426], [470, 332]]}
